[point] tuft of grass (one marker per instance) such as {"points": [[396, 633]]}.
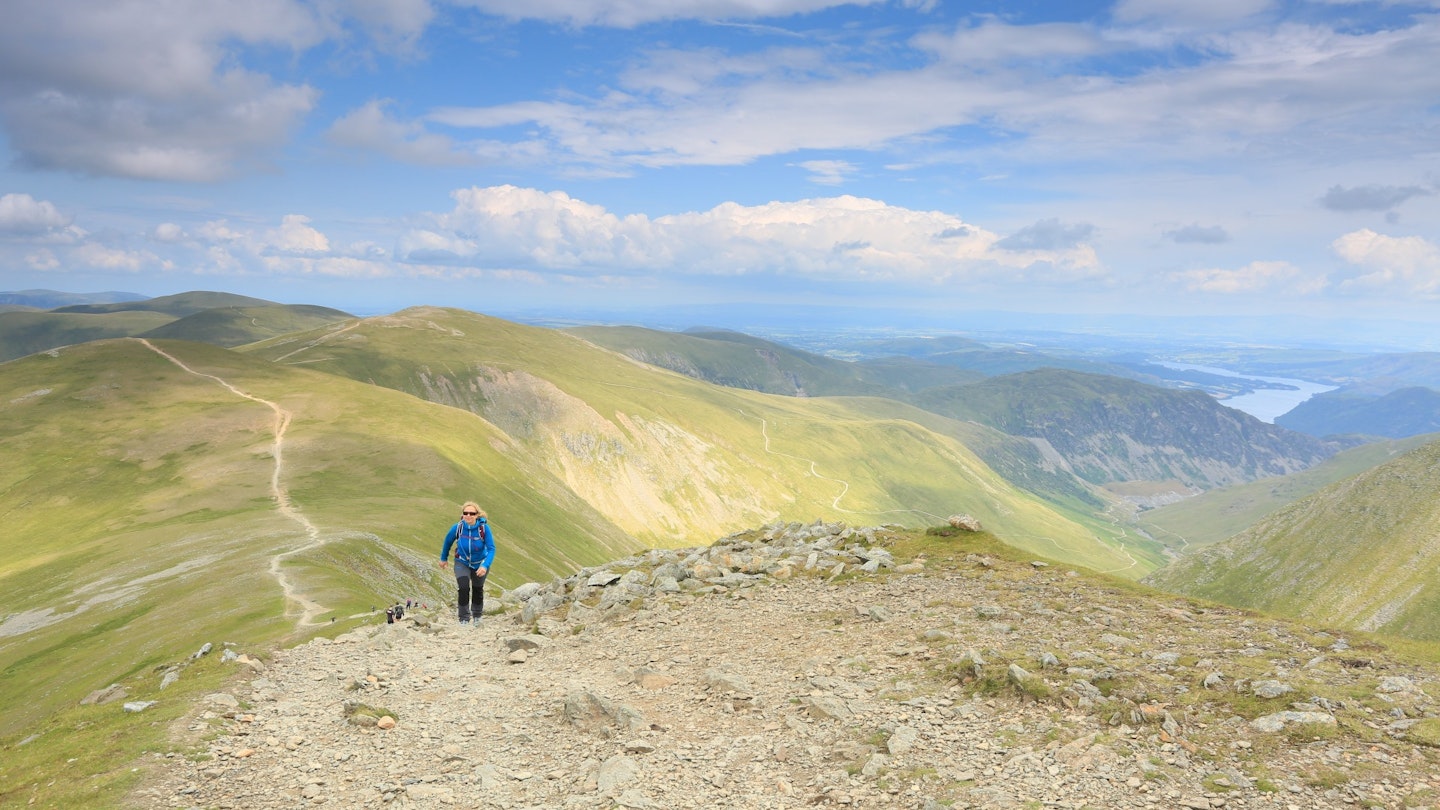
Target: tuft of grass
{"points": [[1426, 732]]}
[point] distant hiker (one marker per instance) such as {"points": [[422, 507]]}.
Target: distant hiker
{"points": [[474, 551]]}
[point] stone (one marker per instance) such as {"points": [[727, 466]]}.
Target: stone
{"points": [[1393, 684], [1278, 721], [616, 772], [964, 523], [1270, 689], [902, 740], [109, 694], [827, 707]]}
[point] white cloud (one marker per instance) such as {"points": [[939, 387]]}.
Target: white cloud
{"points": [[169, 232], [828, 172], [100, 257], [840, 238], [630, 13], [1189, 12], [1032, 94], [1404, 264], [993, 41], [296, 236], [42, 260], [120, 87], [1255, 277], [22, 214], [370, 127], [394, 24]]}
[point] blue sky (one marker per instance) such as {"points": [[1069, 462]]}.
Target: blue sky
{"points": [[1141, 156]]}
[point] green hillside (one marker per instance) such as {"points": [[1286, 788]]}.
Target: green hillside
{"points": [[669, 458], [221, 319], [178, 305], [742, 361], [1359, 554], [140, 514], [1404, 412], [28, 332], [236, 326], [1109, 429], [1210, 517]]}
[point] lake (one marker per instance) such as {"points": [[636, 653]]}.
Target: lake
{"points": [[1265, 403]]}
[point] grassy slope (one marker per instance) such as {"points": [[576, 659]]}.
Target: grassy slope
{"points": [[743, 361], [674, 460], [236, 326], [1213, 516], [138, 520], [23, 333], [1361, 553]]}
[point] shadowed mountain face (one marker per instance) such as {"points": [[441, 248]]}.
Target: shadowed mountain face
{"points": [[1109, 429], [1396, 415], [1360, 554]]}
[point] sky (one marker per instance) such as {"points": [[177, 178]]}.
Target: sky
{"points": [[1238, 157]]}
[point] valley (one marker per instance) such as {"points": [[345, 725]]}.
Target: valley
{"points": [[285, 481]]}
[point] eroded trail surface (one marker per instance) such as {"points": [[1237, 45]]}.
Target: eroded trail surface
{"points": [[306, 610], [804, 669]]}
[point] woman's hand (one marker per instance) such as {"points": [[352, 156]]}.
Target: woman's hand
{"points": [[482, 571]]}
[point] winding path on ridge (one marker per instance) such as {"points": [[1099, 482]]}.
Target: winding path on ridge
{"points": [[309, 609]]}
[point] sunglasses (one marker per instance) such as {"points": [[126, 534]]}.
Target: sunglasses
{"points": [[469, 513]]}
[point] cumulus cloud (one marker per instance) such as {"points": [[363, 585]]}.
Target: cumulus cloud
{"points": [[1369, 198], [839, 238], [1391, 263], [296, 236], [1198, 235], [22, 214]]}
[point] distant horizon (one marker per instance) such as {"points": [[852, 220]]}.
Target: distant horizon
{"points": [[1355, 335], [1252, 158]]}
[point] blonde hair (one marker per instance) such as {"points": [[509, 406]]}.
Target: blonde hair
{"points": [[476, 506]]}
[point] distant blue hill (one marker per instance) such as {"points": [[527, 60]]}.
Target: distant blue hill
{"points": [[50, 299]]}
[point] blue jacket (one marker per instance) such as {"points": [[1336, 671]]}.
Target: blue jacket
{"points": [[474, 545]]}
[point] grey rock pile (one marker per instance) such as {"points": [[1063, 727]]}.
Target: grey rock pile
{"points": [[800, 666]]}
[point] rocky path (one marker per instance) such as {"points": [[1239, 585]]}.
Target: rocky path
{"points": [[804, 667], [307, 610]]}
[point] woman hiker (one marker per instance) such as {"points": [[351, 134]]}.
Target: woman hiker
{"points": [[474, 551]]}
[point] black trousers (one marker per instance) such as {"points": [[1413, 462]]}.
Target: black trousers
{"points": [[469, 592]]}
